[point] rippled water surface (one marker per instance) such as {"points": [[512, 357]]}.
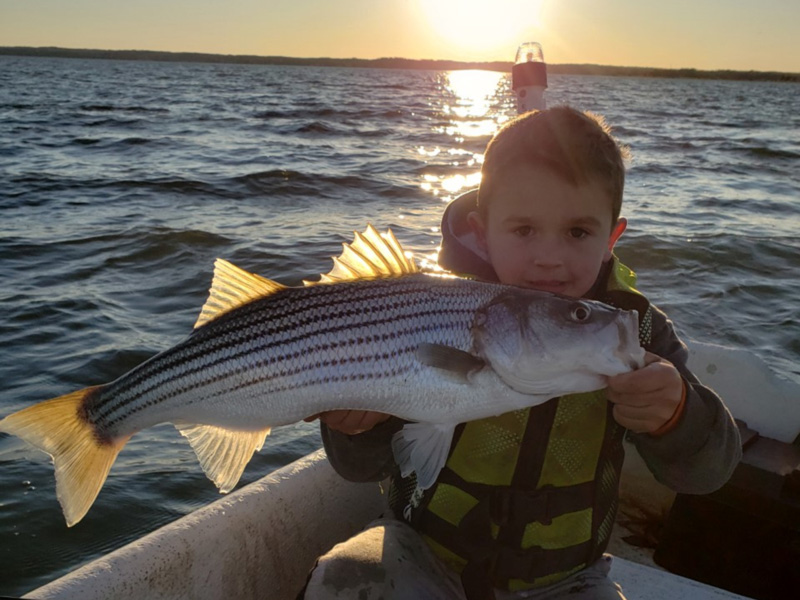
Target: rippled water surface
{"points": [[120, 182]]}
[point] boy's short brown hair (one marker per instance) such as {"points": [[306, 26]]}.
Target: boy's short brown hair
{"points": [[577, 146]]}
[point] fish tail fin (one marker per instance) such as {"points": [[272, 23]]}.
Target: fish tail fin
{"points": [[82, 458]]}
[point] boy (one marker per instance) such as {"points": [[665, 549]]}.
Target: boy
{"points": [[525, 504]]}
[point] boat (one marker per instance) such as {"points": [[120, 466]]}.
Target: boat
{"points": [[262, 540]]}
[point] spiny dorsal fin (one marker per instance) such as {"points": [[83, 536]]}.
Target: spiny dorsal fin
{"points": [[223, 453], [233, 287], [370, 255]]}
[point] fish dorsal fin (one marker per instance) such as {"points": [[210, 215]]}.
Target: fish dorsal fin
{"points": [[223, 453], [370, 255], [232, 287]]}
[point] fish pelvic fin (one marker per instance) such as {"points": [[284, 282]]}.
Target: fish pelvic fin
{"points": [[423, 448], [81, 457], [370, 255], [233, 287], [223, 453]]}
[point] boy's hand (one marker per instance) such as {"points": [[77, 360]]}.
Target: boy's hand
{"points": [[645, 399], [350, 422]]}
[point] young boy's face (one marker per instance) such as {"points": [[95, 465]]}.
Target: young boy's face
{"points": [[544, 233]]}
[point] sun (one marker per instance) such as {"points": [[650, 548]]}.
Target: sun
{"points": [[483, 27]]}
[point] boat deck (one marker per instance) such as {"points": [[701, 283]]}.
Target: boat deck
{"points": [[640, 582], [261, 541]]}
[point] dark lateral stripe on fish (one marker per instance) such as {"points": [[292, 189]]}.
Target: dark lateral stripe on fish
{"points": [[244, 327], [282, 309], [313, 313], [209, 362], [329, 378], [206, 359], [129, 394], [359, 376], [319, 380]]}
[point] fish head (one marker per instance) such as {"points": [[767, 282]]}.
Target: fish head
{"points": [[544, 344]]}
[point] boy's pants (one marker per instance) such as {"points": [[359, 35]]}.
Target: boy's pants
{"points": [[390, 561]]}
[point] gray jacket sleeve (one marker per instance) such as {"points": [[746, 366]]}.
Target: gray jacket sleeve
{"points": [[700, 453], [363, 457]]}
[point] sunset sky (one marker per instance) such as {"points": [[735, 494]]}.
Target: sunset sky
{"points": [[703, 34]]}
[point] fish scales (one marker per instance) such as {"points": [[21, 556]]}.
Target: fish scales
{"points": [[206, 348], [249, 349], [301, 338], [292, 321]]}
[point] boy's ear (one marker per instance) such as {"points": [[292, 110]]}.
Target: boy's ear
{"points": [[478, 227], [616, 233]]}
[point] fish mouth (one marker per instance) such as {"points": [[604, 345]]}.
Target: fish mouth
{"points": [[629, 351]]}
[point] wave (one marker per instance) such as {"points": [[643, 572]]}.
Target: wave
{"points": [[117, 108], [333, 113], [107, 143], [767, 152]]}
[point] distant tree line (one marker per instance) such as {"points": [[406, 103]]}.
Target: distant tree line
{"points": [[395, 63]]}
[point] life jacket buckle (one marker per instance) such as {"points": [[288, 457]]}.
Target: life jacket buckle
{"points": [[519, 507]]}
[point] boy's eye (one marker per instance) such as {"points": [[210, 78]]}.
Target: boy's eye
{"points": [[578, 233], [523, 230]]}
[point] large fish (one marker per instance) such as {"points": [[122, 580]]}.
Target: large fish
{"points": [[376, 334]]}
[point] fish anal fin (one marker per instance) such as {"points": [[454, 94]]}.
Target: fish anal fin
{"points": [[223, 453], [449, 359], [370, 255], [423, 448], [82, 459], [233, 287]]}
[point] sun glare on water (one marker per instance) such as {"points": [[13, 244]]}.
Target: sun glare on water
{"points": [[474, 27], [471, 102]]}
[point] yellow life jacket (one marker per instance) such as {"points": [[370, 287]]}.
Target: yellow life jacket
{"points": [[529, 497]]}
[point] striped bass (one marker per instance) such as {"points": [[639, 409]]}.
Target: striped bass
{"points": [[376, 335]]}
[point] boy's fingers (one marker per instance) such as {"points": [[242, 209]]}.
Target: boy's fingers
{"points": [[352, 422], [650, 358], [634, 420], [657, 374], [639, 400], [636, 382]]}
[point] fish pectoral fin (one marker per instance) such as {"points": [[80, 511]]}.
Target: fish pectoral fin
{"points": [[233, 287], [449, 359], [223, 453], [370, 255], [423, 449], [82, 460]]}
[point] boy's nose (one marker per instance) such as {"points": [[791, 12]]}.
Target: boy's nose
{"points": [[547, 254]]}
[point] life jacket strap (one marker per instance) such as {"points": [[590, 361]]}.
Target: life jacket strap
{"points": [[510, 506]]}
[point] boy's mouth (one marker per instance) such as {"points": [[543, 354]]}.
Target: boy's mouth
{"points": [[548, 285]]}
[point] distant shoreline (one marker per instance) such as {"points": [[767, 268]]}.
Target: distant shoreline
{"points": [[394, 63]]}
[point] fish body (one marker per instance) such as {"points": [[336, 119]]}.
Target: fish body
{"points": [[302, 351], [431, 349]]}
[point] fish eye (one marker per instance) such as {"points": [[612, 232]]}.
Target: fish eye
{"points": [[580, 313]]}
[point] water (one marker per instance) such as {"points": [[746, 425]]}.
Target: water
{"points": [[120, 182]]}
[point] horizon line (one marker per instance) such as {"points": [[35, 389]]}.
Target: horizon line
{"points": [[393, 63]]}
